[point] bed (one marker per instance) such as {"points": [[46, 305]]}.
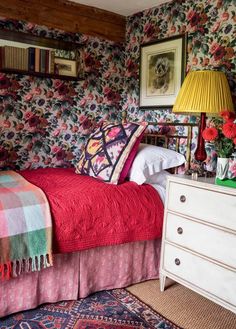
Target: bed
{"points": [[96, 266]]}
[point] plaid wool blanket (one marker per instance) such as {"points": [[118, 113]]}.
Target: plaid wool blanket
{"points": [[25, 226]]}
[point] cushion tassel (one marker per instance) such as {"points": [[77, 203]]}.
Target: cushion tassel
{"points": [[20, 267], [14, 266], [27, 265], [5, 271], [36, 263], [9, 270], [2, 271], [50, 260], [33, 265], [45, 263], [39, 263]]}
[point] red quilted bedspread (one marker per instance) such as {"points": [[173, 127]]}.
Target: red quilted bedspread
{"points": [[89, 213]]}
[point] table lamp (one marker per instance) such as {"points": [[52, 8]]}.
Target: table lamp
{"points": [[205, 92]]}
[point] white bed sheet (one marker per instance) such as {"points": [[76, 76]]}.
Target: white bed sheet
{"points": [[161, 190]]}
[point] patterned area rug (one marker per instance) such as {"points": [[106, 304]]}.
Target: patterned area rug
{"points": [[114, 309]]}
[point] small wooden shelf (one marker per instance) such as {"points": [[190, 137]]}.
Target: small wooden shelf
{"points": [[42, 75], [38, 40]]}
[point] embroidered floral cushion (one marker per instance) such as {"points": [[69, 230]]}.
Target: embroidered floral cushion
{"points": [[108, 149]]}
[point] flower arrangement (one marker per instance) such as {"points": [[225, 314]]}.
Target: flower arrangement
{"points": [[222, 132]]}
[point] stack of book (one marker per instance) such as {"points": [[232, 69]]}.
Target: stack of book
{"points": [[14, 58], [27, 59], [41, 60]]}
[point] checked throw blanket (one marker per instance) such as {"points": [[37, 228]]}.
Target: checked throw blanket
{"points": [[25, 226]]}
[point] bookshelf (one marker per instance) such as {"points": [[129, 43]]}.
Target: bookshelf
{"points": [[47, 46]]}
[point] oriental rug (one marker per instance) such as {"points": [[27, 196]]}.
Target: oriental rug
{"points": [[114, 309]]}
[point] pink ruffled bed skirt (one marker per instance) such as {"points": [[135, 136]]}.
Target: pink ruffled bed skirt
{"points": [[77, 275]]}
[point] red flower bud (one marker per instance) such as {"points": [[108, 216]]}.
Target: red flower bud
{"points": [[210, 134], [229, 130]]}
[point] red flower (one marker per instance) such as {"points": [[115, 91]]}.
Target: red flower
{"points": [[229, 130], [3, 154], [195, 20], [228, 115], [219, 53], [149, 30], [87, 123], [34, 121], [131, 66], [63, 90], [210, 134], [89, 60], [61, 155], [4, 82]]}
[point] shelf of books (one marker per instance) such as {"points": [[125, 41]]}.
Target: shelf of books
{"points": [[37, 62]]}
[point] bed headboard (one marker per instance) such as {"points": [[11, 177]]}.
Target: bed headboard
{"points": [[163, 135]]}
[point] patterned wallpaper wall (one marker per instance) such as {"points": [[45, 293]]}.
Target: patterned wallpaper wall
{"points": [[45, 122], [211, 28]]}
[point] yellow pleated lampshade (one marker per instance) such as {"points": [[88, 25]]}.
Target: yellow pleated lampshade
{"points": [[204, 91]]}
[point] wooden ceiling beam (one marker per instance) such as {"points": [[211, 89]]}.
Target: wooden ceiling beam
{"points": [[67, 16]]}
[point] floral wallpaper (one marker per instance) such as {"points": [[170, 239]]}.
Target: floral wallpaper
{"points": [[45, 122], [211, 43]]}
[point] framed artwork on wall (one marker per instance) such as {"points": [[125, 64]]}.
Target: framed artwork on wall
{"points": [[162, 70], [65, 67]]}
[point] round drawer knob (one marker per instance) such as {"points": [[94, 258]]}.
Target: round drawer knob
{"points": [[177, 261], [182, 198], [180, 230]]}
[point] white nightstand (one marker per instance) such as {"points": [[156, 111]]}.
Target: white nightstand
{"points": [[199, 238]]}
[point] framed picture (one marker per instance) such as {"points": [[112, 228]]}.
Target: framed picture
{"points": [[162, 70], [65, 67]]}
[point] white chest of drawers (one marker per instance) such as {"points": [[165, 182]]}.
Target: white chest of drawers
{"points": [[199, 238]]}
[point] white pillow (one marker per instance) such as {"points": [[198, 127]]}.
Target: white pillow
{"points": [[151, 159], [160, 178]]}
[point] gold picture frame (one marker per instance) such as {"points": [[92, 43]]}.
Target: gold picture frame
{"points": [[66, 67], [162, 70]]}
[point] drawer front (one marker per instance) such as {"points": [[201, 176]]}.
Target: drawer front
{"points": [[206, 240], [210, 277], [209, 206]]}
